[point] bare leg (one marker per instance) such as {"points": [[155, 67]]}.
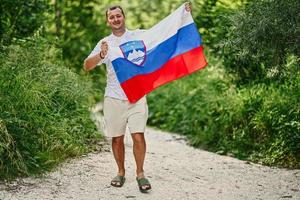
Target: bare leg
{"points": [[139, 151], [119, 153]]}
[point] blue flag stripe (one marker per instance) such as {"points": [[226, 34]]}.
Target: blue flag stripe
{"points": [[185, 39]]}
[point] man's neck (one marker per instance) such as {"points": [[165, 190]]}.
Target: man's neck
{"points": [[119, 33]]}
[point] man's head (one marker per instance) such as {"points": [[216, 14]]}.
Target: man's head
{"points": [[115, 18]]}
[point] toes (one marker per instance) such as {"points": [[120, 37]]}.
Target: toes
{"points": [[146, 187], [116, 183]]}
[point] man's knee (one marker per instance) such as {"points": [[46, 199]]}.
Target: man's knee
{"points": [[118, 140], [138, 137]]}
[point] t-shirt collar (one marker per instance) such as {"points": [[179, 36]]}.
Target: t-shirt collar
{"points": [[124, 34]]}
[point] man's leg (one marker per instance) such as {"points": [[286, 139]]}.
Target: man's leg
{"points": [[119, 153], [139, 151]]}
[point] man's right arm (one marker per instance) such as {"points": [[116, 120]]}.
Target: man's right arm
{"points": [[97, 56], [91, 62]]}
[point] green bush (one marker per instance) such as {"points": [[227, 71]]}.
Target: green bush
{"points": [[211, 17], [193, 104], [277, 122], [259, 122], [261, 38], [44, 113]]}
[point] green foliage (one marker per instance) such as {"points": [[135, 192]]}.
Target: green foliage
{"points": [[259, 122], [145, 14], [19, 18], [77, 26], [276, 123], [211, 17], [261, 39], [44, 113], [44, 116]]}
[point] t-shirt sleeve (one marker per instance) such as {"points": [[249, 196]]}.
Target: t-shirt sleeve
{"points": [[97, 50]]}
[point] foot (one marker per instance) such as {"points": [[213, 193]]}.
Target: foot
{"points": [[144, 184], [118, 181]]}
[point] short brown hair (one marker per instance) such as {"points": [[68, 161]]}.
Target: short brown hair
{"points": [[113, 8]]}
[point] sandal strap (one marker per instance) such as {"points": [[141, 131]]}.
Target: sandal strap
{"points": [[118, 178], [143, 181]]}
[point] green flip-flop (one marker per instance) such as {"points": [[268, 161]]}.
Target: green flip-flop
{"points": [[118, 181], [142, 182]]}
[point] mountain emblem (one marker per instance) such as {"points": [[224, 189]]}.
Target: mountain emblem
{"points": [[134, 51]]}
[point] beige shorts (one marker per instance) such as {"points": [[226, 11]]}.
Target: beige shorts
{"points": [[119, 113]]}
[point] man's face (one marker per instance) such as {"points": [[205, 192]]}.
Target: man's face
{"points": [[115, 19]]}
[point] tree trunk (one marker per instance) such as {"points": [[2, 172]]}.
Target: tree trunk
{"points": [[57, 10]]}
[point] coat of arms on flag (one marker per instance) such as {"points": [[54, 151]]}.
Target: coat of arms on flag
{"points": [[134, 51]]}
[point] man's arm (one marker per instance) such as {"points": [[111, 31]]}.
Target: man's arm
{"points": [[91, 62]]}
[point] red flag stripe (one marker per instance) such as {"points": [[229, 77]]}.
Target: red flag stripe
{"points": [[175, 68]]}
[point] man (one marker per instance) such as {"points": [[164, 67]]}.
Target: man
{"points": [[118, 112]]}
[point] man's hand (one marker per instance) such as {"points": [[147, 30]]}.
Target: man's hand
{"points": [[104, 49], [188, 6]]}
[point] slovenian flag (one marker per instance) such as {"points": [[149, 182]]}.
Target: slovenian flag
{"points": [[169, 50]]}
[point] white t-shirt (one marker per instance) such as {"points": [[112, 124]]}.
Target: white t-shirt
{"points": [[113, 88]]}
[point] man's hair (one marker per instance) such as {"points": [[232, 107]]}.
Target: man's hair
{"points": [[113, 8]]}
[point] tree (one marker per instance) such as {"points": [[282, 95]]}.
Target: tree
{"points": [[19, 19], [262, 38]]}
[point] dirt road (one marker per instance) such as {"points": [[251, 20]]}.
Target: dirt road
{"points": [[175, 170]]}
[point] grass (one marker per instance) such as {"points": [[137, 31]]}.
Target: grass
{"points": [[44, 113]]}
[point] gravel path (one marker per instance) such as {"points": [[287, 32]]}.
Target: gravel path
{"points": [[175, 170]]}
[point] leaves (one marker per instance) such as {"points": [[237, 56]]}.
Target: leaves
{"points": [[262, 37], [44, 110]]}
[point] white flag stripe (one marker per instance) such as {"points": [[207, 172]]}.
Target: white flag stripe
{"points": [[160, 32]]}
